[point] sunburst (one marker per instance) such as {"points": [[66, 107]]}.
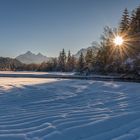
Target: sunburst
{"points": [[122, 43], [118, 41]]}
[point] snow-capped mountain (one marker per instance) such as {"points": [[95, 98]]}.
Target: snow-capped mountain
{"points": [[30, 57], [94, 47]]}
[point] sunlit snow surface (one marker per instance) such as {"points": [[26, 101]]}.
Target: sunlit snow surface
{"points": [[56, 109]]}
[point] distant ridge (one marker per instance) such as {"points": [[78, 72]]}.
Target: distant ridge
{"points": [[30, 57], [94, 48], [7, 63]]}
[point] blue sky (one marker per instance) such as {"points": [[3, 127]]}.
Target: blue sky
{"points": [[47, 26]]}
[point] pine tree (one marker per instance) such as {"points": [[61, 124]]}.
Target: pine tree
{"points": [[73, 62], [62, 61], [68, 65], [133, 23], [89, 56], [135, 32], [138, 19], [89, 59], [81, 63], [124, 25]]}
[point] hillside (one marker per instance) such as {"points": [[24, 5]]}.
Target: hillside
{"points": [[9, 64]]}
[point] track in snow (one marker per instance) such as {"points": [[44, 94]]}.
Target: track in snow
{"points": [[55, 109]]}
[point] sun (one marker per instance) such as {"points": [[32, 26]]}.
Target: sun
{"points": [[118, 40]]}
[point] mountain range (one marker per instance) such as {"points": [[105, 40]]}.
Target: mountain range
{"points": [[30, 57]]}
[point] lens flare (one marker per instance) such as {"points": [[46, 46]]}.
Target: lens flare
{"points": [[118, 40]]}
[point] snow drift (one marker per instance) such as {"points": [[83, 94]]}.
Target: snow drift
{"points": [[56, 109]]}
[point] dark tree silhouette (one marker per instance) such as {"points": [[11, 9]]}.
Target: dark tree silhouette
{"points": [[124, 25]]}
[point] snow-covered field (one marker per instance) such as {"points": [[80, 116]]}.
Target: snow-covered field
{"points": [[35, 73], [56, 109]]}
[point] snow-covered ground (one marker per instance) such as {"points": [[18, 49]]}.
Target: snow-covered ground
{"points": [[66, 75], [35, 73], [56, 109]]}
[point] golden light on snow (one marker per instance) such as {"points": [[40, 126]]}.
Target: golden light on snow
{"points": [[10, 83], [118, 40]]}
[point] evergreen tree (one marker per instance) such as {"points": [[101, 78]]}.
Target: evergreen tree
{"points": [[68, 65], [138, 20], [89, 56], [135, 32], [73, 62], [62, 61], [133, 23], [124, 25], [81, 63], [89, 59]]}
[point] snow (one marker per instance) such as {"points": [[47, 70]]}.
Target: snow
{"points": [[35, 73], [62, 109], [27, 74], [129, 61], [66, 75]]}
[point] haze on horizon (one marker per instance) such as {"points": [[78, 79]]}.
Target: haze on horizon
{"points": [[47, 26]]}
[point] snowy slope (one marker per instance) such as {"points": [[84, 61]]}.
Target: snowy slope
{"points": [[30, 57], [56, 109]]}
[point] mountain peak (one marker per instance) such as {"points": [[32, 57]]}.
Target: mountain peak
{"points": [[29, 52], [39, 54], [94, 48], [30, 57]]}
